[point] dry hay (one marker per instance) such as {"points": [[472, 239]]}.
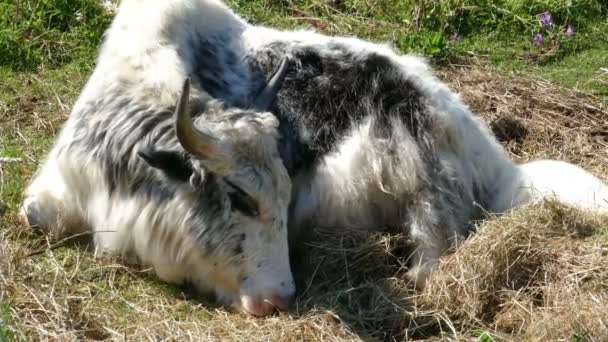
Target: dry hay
{"points": [[540, 273], [537, 273], [535, 119]]}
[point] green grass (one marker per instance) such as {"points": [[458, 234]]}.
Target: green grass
{"points": [[497, 32], [577, 63], [49, 32], [33, 105], [36, 36], [5, 332]]}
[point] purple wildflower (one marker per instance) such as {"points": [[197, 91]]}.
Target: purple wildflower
{"points": [[570, 31], [546, 20], [539, 39], [456, 37]]}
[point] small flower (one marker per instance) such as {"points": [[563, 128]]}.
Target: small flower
{"points": [[108, 5], [570, 31], [539, 39], [78, 16], [546, 20], [456, 37]]}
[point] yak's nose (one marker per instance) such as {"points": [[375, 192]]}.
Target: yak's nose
{"points": [[266, 305]]}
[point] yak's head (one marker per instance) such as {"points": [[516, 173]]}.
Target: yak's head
{"points": [[237, 192]]}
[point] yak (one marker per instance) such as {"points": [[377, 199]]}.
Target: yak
{"points": [[204, 146]]}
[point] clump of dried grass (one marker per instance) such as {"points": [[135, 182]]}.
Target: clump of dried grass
{"points": [[534, 118], [537, 273], [361, 278]]}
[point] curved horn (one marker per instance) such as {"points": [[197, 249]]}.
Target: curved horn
{"points": [[192, 140], [267, 96]]}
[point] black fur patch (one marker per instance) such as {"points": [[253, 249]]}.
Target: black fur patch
{"points": [[329, 90], [212, 61]]}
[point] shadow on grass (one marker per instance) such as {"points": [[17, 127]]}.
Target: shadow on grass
{"points": [[359, 277]]}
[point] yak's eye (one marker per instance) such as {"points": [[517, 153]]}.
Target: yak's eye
{"points": [[241, 201]]}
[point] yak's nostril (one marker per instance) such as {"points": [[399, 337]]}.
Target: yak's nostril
{"points": [[281, 303], [266, 305]]}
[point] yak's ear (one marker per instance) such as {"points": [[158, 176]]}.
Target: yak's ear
{"points": [[172, 163]]}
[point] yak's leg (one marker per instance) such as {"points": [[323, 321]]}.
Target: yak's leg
{"points": [[45, 204], [424, 258], [432, 236]]}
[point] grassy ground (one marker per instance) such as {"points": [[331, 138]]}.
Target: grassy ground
{"points": [[540, 273]]}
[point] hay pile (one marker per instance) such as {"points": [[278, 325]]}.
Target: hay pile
{"points": [[533, 118], [537, 273]]}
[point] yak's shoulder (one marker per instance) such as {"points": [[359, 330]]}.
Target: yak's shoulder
{"points": [[332, 86]]}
